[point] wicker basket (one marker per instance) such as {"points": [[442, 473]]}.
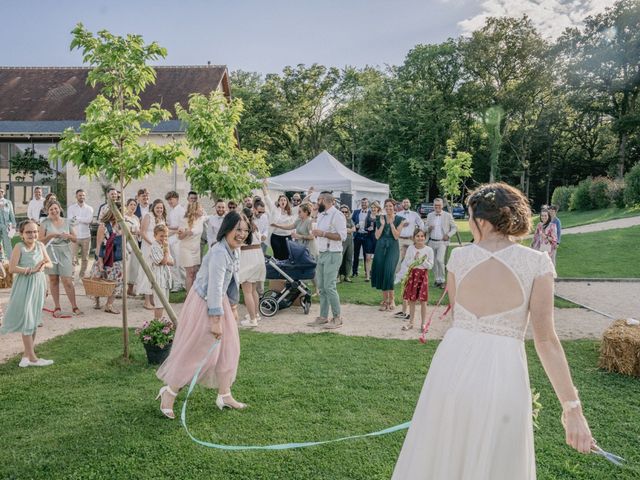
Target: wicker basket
{"points": [[98, 287]]}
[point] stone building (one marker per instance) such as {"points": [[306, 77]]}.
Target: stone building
{"points": [[38, 103]]}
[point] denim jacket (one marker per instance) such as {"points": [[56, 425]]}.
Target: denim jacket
{"points": [[218, 275]]}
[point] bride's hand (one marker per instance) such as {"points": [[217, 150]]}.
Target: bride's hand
{"points": [[578, 435]]}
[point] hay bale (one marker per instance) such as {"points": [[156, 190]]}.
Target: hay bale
{"points": [[620, 349], [7, 281]]}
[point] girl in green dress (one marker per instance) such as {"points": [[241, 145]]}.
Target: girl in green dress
{"points": [[387, 254], [24, 312], [57, 234]]}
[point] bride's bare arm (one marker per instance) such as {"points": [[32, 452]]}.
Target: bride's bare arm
{"points": [[555, 363]]}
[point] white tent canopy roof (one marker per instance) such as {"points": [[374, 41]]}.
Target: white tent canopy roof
{"points": [[324, 172]]}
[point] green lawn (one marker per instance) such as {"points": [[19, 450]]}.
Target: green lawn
{"points": [[574, 219], [91, 417], [607, 254]]}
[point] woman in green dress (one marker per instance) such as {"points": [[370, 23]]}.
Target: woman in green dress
{"points": [[57, 234], [387, 254], [24, 313]]}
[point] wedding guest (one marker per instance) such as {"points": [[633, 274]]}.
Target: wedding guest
{"points": [[247, 202], [553, 213], [44, 213], [58, 234], [81, 216], [346, 266], [330, 232], [7, 222], [261, 219], [376, 211], [109, 262], [143, 203], [215, 221], [189, 233], [545, 238], [206, 317], [412, 223], [477, 386], [414, 271], [160, 261], [363, 238], [174, 220], [386, 255], [157, 216], [113, 195], [231, 206], [133, 265], [24, 310], [35, 205], [279, 214], [440, 226], [296, 200], [252, 271], [192, 197]]}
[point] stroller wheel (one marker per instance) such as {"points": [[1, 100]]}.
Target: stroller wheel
{"points": [[268, 306], [269, 294], [306, 304]]}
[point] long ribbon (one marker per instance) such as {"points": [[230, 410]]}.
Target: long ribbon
{"points": [[280, 446]]}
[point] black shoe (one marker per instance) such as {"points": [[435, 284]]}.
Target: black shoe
{"points": [[399, 314]]}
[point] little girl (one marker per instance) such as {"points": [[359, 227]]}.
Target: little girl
{"points": [[413, 273], [24, 313], [160, 260]]}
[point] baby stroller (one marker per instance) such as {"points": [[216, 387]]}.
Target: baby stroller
{"points": [[299, 266]]}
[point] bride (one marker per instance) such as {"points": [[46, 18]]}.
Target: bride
{"points": [[473, 417]]}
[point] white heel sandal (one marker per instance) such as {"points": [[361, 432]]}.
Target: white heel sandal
{"points": [[167, 412], [221, 404]]}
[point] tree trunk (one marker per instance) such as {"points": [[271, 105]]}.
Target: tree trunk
{"points": [[125, 316], [622, 154], [136, 251]]}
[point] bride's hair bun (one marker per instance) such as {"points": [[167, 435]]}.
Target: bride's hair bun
{"points": [[502, 205]]}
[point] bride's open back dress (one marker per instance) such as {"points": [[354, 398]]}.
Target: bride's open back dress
{"points": [[473, 418]]}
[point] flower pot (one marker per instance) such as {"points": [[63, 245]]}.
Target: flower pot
{"points": [[155, 354]]}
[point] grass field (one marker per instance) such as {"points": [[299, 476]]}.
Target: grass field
{"points": [[92, 417]]}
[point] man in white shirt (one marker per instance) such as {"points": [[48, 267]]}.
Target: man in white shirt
{"points": [[81, 215], [144, 203], [296, 200], [214, 221], [412, 223], [35, 205], [330, 232], [440, 226], [174, 218], [261, 219]]}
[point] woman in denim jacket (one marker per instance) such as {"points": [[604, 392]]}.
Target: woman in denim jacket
{"points": [[207, 317]]}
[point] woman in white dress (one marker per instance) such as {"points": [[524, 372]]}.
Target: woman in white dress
{"points": [[252, 271], [157, 216], [473, 418], [279, 214], [133, 266], [190, 233]]}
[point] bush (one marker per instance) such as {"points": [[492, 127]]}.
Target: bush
{"points": [[632, 186], [616, 193], [581, 197], [562, 197], [599, 192]]}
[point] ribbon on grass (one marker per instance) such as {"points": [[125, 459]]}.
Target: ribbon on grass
{"points": [[280, 446]]}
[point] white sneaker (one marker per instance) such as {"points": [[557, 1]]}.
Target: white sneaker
{"points": [[249, 323], [41, 362]]}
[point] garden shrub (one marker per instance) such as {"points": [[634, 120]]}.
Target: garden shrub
{"points": [[599, 192], [616, 193], [561, 197], [581, 197], [632, 186]]}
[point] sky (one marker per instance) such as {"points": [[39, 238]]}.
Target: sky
{"points": [[265, 36]]}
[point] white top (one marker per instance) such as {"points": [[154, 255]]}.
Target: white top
{"points": [[415, 222], [413, 254], [362, 220], [174, 220], [33, 210], [437, 233], [213, 223], [262, 223], [81, 217], [331, 221], [279, 217]]}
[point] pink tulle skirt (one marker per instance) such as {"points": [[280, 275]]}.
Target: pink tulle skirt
{"points": [[192, 342]]}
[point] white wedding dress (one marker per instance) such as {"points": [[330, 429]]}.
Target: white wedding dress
{"points": [[473, 418]]}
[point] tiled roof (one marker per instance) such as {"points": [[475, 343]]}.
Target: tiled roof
{"points": [[43, 94]]}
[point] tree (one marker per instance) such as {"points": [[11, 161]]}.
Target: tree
{"points": [[29, 163], [219, 168], [457, 168], [109, 142]]}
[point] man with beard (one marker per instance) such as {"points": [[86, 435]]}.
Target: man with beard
{"points": [[330, 232], [214, 221]]}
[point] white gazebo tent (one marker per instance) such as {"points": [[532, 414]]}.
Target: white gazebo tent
{"points": [[325, 172]]}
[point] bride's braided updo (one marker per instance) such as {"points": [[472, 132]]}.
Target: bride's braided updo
{"points": [[503, 206]]}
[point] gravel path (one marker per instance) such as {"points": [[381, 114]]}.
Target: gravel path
{"points": [[360, 320], [600, 226], [617, 299]]}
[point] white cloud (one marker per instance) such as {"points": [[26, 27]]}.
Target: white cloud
{"points": [[551, 17]]}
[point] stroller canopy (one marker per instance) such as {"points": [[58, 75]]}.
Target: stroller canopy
{"points": [[299, 254]]}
